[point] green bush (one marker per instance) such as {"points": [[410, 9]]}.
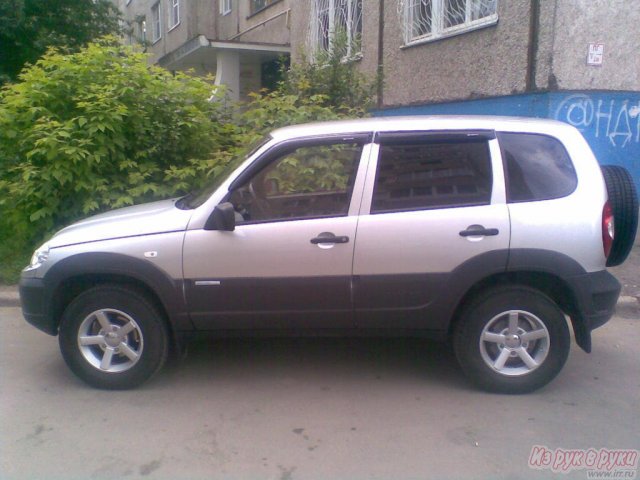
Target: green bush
{"points": [[332, 80], [95, 130]]}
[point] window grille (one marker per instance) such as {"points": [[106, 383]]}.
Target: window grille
{"points": [[336, 24], [424, 20]]}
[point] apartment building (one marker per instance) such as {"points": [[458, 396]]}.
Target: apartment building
{"points": [[572, 60], [239, 41]]}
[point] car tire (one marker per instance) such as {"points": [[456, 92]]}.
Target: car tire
{"points": [[623, 199], [113, 337], [511, 340]]}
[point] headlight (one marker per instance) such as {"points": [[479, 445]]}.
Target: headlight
{"points": [[39, 256]]}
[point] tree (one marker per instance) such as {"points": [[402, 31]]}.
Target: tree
{"points": [[333, 79], [29, 27], [95, 130]]}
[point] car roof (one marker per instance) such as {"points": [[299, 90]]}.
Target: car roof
{"points": [[422, 123]]}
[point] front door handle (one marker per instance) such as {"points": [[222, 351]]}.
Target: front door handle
{"points": [[328, 237], [479, 231]]}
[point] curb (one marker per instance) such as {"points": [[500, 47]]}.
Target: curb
{"points": [[9, 296]]}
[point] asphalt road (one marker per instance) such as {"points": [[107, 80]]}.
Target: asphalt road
{"points": [[308, 409]]}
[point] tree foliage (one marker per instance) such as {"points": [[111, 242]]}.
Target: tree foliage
{"points": [[99, 129], [29, 27], [333, 80]]}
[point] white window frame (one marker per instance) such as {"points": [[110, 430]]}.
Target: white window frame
{"points": [[174, 14], [141, 26], [156, 21], [331, 11], [225, 7], [438, 30]]}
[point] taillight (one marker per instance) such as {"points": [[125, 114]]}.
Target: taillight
{"points": [[608, 228]]}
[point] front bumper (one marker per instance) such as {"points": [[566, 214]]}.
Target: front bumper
{"points": [[33, 300], [596, 295]]}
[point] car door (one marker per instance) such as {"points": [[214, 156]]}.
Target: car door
{"points": [[288, 262], [433, 222]]}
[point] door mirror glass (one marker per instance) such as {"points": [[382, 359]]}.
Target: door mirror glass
{"points": [[222, 218]]}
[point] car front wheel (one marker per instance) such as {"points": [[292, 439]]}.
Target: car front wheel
{"points": [[512, 340], [113, 338]]}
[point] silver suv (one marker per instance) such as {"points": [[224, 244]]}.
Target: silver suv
{"points": [[485, 231]]}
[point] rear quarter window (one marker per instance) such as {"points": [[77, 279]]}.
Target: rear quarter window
{"points": [[537, 167]]}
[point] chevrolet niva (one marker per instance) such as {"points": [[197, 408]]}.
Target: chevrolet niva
{"points": [[492, 233]]}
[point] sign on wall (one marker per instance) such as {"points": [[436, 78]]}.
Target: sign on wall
{"points": [[595, 55]]}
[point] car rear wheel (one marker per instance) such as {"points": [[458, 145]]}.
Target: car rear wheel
{"points": [[113, 338], [512, 340], [623, 199]]}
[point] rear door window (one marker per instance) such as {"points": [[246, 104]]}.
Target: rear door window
{"points": [[537, 167], [420, 174]]}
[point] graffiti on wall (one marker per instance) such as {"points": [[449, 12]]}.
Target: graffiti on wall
{"points": [[618, 120]]}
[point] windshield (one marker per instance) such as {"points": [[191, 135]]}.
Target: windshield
{"points": [[198, 197]]}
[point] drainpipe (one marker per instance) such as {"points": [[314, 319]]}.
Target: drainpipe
{"points": [[380, 70], [532, 51]]}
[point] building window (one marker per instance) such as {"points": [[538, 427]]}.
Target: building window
{"points": [[425, 20], [157, 24], [141, 29], [336, 24], [225, 7], [174, 13], [257, 5]]}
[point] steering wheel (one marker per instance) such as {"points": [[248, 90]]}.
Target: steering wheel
{"points": [[260, 205]]}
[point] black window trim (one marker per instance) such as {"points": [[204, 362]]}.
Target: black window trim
{"points": [[429, 136]]}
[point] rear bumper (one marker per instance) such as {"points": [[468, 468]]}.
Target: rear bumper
{"points": [[33, 301], [596, 295]]}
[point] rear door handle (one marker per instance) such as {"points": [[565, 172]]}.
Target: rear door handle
{"points": [[479, 231], [328, 237]]}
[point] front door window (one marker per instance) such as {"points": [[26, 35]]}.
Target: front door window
{"points": [[312, 181]]}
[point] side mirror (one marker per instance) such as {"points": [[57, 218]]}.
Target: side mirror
{"points": [[222, 218]]}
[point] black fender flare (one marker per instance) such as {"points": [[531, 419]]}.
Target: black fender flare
{"points": [[107, 265]]}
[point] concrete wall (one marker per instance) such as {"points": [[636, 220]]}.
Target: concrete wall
{"points": [[196, 17], [610, 121], [495, 60], [616, 23], [270, 25], [201, 17], [300, 18], [486, 62]]}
